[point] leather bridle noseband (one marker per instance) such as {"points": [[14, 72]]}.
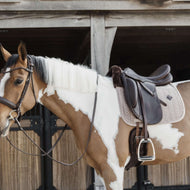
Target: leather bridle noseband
{"points": [[17, 108]]}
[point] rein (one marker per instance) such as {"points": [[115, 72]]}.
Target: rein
{"points": [[16, 108]]}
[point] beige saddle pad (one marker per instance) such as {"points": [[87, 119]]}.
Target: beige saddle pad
{"points": [[172, 113]]}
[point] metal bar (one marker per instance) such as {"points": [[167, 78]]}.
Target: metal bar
{"points": [[48, 165], [41, 145]]}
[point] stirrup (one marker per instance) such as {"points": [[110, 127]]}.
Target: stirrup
{"points": [[147, 157]]}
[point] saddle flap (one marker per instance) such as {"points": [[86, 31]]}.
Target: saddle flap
{"points": [[131, 91], [143, 93], [151, 103]]}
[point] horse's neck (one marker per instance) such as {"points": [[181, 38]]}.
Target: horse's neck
{"points": [[62, 110], [69, 89]]}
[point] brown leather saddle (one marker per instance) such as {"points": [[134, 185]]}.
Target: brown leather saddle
{"points": [[142, 99], [141, 95]]}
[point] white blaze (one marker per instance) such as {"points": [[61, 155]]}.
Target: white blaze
{"points": [[3, 82]]}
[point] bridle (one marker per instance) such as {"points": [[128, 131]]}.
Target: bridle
{"points": [[17, 109]]}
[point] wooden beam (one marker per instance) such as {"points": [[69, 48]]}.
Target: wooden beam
{"points": [[89, 6], [101, 44], [42, 20], [148, 19], [98, 43], [109, 39], [9, 1]]}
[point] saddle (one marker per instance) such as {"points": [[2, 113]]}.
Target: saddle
{"points": [[140, 93], [142, 99]]}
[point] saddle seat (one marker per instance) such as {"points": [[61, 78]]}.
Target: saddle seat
{"points": [[159, 77]]}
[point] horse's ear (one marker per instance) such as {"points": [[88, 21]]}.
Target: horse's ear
{"points": [[5, 53], [22, 53]]}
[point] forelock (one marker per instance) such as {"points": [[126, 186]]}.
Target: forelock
{"points": [[12, 60]]}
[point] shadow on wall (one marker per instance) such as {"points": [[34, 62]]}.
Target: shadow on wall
{"points": [[154, 2]]}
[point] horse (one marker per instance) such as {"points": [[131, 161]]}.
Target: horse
{"points": [[69, 92]]}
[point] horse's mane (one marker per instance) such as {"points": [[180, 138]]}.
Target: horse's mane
{"points": [[67, 76], [61, 74]]}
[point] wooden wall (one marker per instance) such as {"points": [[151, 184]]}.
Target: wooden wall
{"points": [[172, 174], [19, 171], [69, 177], [177, 173]]}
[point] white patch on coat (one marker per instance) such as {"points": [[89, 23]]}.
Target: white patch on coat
{"points": [[127, 160], [101, 180], [167, 136], [118, 184], [40, 94], [3, 82], [79, 91]]}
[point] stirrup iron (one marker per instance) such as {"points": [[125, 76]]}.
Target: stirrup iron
{"points": [[147, 157]]}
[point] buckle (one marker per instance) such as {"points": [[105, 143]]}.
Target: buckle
{"points": [[147, 157], [11, 117]]}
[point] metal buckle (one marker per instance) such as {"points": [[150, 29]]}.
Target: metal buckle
{"points": [[10, 115], [147, 157]]}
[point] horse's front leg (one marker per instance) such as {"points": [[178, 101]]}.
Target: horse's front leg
{"points": [[108, 169], [112, 180], [111, 162]]}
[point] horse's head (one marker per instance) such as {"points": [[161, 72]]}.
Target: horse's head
{"points": [[16, 89]]}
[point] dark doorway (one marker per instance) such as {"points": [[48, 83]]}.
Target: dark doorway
{"points": [[146, 48], [70, 44]]}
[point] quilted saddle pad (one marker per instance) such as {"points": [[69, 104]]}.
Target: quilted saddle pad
{"points": [[172, 113]]}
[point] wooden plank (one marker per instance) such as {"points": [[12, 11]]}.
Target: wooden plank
{"points": [[75, 177], [130, 178], [101, 44], [90, 6], [181, 0], [40, 20], [148, 19], [170, 174], [9, 1], [98, 43], [19, 171], [109, 38]]}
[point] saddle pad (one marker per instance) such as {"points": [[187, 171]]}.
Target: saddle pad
{"points": [[172, 113]]}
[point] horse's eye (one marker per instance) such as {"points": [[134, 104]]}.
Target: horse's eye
{"points": [[18, 81]]}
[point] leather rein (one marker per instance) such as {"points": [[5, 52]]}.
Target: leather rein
{"points": [[16, 108]]}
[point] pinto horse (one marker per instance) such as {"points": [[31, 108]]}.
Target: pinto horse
{"points": [[68, 91]]}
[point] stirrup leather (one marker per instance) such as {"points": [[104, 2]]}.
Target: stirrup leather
{"points": [[147, 157]]}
